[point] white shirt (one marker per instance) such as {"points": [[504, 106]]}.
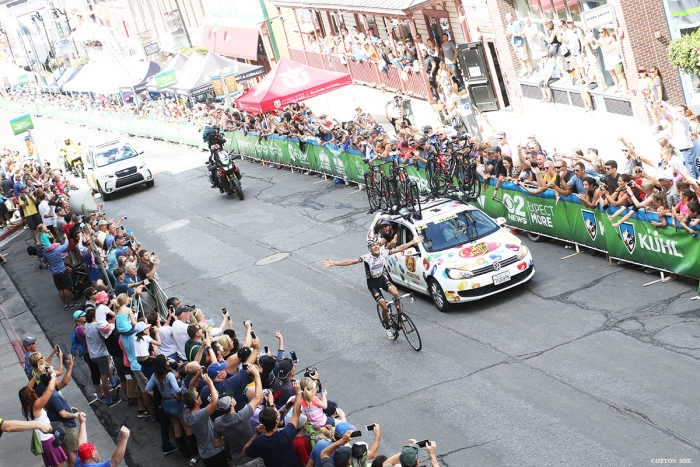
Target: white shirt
{"points": [[44, 211], [680, 139], [167, 345], [101, 320], [141, 346], [181, 337]]}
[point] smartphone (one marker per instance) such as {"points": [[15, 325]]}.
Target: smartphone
{"points": [[267, 349], [356, 434], [293, 354], [422, 444], [224, 311], [252, 334], [245, 366], [369, 427], [128, 232], [74, 410]]}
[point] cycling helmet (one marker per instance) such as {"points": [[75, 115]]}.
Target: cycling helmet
{"points": [[371, 241], [393, 140]]}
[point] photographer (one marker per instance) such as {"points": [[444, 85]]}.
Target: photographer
{"points": [[408, 457]]}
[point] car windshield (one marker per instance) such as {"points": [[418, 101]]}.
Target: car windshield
{"points": [[456, 229], [115, 154]]}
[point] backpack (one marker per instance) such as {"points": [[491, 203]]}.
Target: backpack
{"points": [[76, 348], [207, 131], [31, 250]]}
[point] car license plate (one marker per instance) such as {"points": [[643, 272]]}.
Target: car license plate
{"points": [[501, 278]]}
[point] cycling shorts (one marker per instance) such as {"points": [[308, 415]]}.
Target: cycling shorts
{"points": [[376, 285]]}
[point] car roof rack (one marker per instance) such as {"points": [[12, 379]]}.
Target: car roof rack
{"points": [[108, 143]]}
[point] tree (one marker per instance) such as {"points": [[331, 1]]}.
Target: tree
{"points": [[684, 53]]}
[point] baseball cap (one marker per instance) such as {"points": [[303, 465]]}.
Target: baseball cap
{"points": [[285, 367], [244, 353], [78, 314], [85, 451], [422, 141], [182, 309], [101, 223], [342, 456], [224, 403], [341, 428], [263, 359], [409, 455], [216, 368], [495, 149], [302, 419], [141, 326], [27, 341], [384, 222]]}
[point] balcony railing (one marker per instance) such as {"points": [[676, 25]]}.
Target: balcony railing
{"points": [[366, 73]]}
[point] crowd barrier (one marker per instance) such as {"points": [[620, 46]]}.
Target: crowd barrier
{"points": [[637, 240]]}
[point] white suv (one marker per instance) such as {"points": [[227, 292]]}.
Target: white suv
{"points": [[465, 255], [113, 166]]}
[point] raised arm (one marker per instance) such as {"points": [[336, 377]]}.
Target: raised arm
{"points": [[345, 262], [399, 248], [214, 394], [118, 454]]}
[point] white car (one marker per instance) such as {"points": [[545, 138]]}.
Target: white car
{"points": [[465, 254], [114, 166]]}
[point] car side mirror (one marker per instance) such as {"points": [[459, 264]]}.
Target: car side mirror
{"points": [[501, 221]]}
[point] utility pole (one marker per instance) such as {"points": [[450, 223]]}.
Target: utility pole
{"points": [[4, 33], [182, 21]]}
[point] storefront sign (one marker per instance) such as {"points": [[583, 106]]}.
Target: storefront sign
{"points": [[151, 48], [21, 124], [166, 79], [231, 84], [598, 17], [218, 86]]}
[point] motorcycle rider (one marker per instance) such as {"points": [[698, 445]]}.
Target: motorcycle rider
{"points": [[216, 139], [70, 151], [214, 162]]}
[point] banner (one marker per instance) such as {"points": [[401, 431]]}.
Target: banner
{"points": [[21, 124], [166, 79], [636, 240]]}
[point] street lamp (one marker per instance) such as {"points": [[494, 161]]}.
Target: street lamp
{"points": [[36, 17], [4, 33], [56, 12]]}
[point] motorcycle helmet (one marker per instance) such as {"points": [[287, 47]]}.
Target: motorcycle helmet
{"points": [[215, 127], [67, 141]]}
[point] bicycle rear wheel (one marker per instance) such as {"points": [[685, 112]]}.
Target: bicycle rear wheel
{"points": [[439, 182], [373, 193], [410, 332], [413, 199]]}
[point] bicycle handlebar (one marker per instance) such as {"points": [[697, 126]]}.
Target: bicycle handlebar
{"points": [[410, 294]]}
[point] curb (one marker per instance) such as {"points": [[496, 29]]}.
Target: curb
{"points": [[7, 233]]}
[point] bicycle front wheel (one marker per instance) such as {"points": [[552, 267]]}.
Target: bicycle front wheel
{"points": [[410, 332]]}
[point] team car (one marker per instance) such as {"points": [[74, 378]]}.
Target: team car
{"points": [[465, 255], [114, 166]]}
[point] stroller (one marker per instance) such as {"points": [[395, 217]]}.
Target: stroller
{"points": [[38, 251], [79, 278]]}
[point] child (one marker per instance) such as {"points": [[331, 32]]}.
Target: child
{"points": [[46, 238], [691, 218], [681, 209], [654, 199]]}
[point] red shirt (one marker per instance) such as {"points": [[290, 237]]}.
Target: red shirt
{"points": [[302, 449]]}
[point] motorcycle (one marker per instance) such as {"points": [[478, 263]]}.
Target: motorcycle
{"points": [[227, 174], [72, 162]]}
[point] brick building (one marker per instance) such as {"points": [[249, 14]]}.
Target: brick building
{"points": [[644, 29]]}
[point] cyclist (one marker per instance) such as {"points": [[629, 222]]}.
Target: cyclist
{"points": [[374, 269]]}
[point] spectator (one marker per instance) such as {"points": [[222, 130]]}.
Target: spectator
{"points": [[449, 53], [233, 426], [549, 74], [99, 356], [33, 408], [164, 380], [88, 454], [514, 31], [28, 203], [29, 346], [14, 426], [197, 419], [681, 138], [61, 278], [148, 264], [180, 325], [613, 60], [275, 447]]}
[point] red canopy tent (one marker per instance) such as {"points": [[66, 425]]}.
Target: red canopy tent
{"points": [[290, 82]]}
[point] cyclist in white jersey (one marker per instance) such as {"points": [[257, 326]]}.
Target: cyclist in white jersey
{"points": [[374, 270]]}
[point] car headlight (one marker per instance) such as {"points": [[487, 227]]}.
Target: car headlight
{"points": [[107, 175], [458, 274], [523, 252], [142, 166]]}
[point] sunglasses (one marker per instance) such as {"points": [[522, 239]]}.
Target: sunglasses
{"points": [[638, 171], [608, 168], [625, 150], [558, 166], [547, 167]]}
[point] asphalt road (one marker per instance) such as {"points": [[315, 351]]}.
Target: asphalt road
{"points": [[581, 366]]}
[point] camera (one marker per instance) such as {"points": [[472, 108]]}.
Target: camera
{"points": [[309, 372], [630, 184]]}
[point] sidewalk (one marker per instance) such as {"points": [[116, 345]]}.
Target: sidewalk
{"points": [[16, 321]]}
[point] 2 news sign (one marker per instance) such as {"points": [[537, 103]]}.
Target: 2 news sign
{"points": [[21, 124]]}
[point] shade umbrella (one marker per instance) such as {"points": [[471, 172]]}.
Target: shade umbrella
{"points": [[290, 82]]}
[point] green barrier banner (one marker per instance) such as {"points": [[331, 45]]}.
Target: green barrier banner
{"points": [[635, 240]]}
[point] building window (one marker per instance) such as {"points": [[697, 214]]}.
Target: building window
{"points": [[555, 9]]}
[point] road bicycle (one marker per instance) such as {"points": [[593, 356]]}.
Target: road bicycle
{"points": [[400, 321]]}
